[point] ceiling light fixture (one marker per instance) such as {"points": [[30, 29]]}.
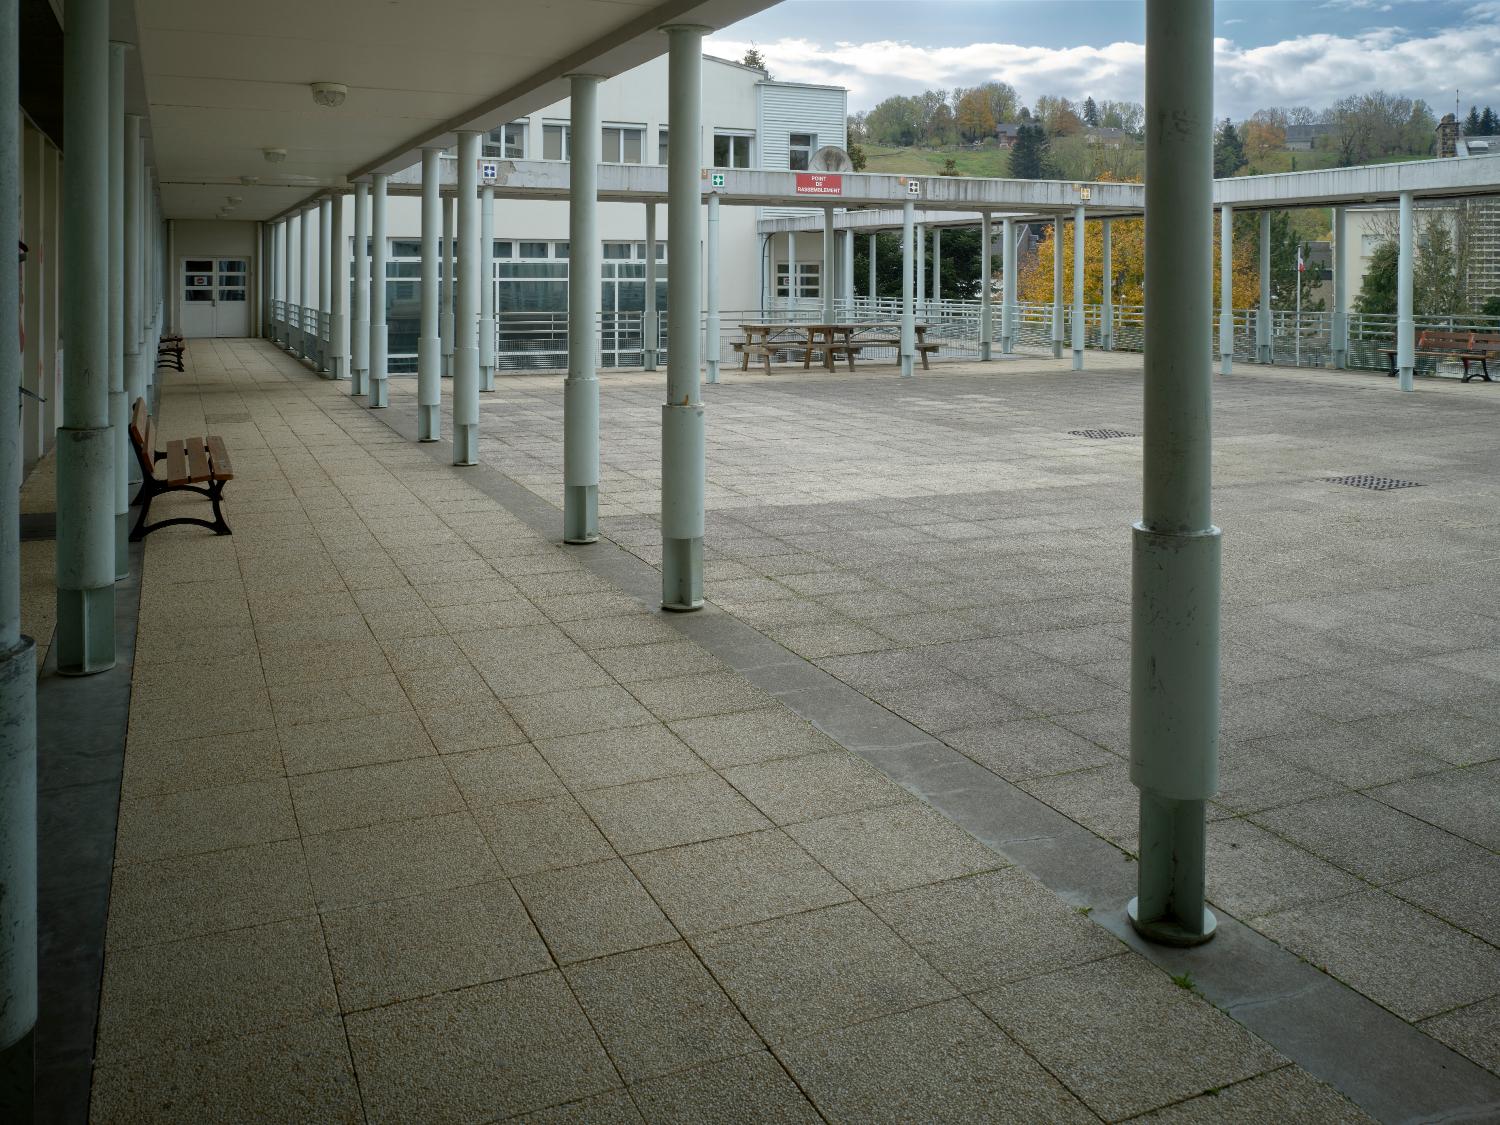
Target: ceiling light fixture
{"points": [[273, 155], [330, 94]]}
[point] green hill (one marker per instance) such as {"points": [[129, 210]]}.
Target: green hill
{"points": [[990, 161]]}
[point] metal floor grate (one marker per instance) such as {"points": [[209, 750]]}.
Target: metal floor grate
{"points": [[1101, 433], [1378, 484]]}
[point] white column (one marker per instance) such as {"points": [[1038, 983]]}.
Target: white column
{"points": [[446, 285], [359, 334], [293, 296], [581, 388], [466, 306], [921, 295], [119, 410], [487, 288], [1405, 322], [1265, 344], [1340, 292], [683, 463], [338, 292], [1078, 264], [1107, 286], [874, 287], [986, 299], [830, 259], [135, 278], [380, 394], [791, 269], [712, 331], [1226, 290], [908, 279], [1008, 286], [325, 282], [848, 275], [650, 324], [937, 264], [429, 343], [307, 291], [1057, 286]]}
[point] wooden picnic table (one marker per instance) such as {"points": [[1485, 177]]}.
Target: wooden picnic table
{"points": [[846, 338]]}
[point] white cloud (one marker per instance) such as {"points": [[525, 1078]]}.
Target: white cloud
{"points": [[1314, 69]]}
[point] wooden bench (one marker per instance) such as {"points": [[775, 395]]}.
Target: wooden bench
{"points": [[1464, 345], [196, 464], [924, 347], [169, 352]]}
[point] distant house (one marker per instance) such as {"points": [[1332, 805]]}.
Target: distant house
{"points": [[1106, 136], [1007, 134], [1302, 138]]}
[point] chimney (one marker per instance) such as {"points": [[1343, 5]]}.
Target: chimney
{"points": [[1447, 136]]}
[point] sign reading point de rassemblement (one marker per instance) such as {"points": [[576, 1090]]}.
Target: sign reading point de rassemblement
{"points": [[819, 183]]}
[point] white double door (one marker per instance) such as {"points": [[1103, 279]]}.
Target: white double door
{"points": [[214, 296]]}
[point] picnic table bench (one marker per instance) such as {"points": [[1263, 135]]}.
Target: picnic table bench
{"points": [[831, 340], [169, 352], [1465, 345], [197, 464]]}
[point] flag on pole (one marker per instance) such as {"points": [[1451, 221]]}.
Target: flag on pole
{"points": [[1301, 265]]}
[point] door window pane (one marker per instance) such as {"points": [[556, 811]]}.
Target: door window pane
{"points": [[199, 265], [231, 265], [198, 295], [231, 294]]}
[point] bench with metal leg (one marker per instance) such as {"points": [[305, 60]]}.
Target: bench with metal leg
{"points": [[198, 464]]}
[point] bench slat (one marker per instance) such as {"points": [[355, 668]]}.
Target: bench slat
{"points": [[197, 455], [177, 465], [223, 470]]}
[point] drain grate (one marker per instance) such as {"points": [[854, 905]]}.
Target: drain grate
{"points": [[1101, 433], [1378, 484]]}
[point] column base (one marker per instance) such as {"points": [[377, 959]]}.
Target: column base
{"points": [[466, 445], [1107, 344], [1007, 345], [1169, 908], [906, 367], [85, 638], [486, 378], [1407, 379], [681, 575], [122, 546], [580, 514], [1077, 359], [712, 371], [1263, 354], [984, 351], [429, 423], [649, 360], [340, 369], [1169, 931], [18, 849], [380, 393], [18, 1073], [1341, 360], [358, 383], [1057, 349]]}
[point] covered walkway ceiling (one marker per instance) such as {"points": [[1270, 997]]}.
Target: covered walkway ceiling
{"points": [[225, 80]]}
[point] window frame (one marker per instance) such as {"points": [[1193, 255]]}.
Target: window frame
{"points": [[564, 131], [793, 149], [734, 136], [621, 132]]}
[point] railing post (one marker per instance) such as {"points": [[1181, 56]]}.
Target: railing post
{"points": [[581, 388], [1226, 290]]}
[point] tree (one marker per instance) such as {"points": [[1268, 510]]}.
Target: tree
{"points": [[1003, 100], [1129, 116], [1090, 113], [1471, 122], [950, 167], [1376, 124], [975, 117], [1057, 116], [1491, 306], [961, 256], [754, 58], [1487, 122], [1377, 292], [857, 156], [1265, 132], [1436, 287], [1029, 158], [1229, 150], [1285, 239]]}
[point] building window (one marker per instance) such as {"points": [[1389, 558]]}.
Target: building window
{"points": [[1369, 243], [732, 150], [555, 142], [532, 250], [807, 279], [661, 146], [618, 251], [623, 144], [508, 141], [801, 150]]}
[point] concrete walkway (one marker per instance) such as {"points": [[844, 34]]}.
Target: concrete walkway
{"points": [[425, 820]]}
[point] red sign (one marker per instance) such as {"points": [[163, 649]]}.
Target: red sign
{"points": [[819, 183]]}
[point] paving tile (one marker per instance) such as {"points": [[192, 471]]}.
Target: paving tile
{"points": [[328, 700], [542, 835], [815, 971], [500, 614], [204, 820], [661, 661], [657, 1011], [471, 726], [560, 713], [209, 987], [1467, 896], [1371, 839], [1473, 1032], [200, 894], [296, 1073], [1026, 748], [157, 766], [693, 697], [615, 757], [1464, 801], [539, 674], [617, 632], [494, 1050], [365, 795], [593, 910], [1398, 956], [445, 686], [429, 943], [761, 735], [646, 815], [361, 741], [815, 785], [735, 880], [1101, 799], [743, 1090], [943, 1062], [612, 1108], [1289, 1095], [992, 929], [1252, 871], [1351, 757], [504, 776], [889, 849], [416, 654], [1123, 1038], [397, 859]]}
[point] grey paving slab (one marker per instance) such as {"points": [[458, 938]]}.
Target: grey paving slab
{"points": [[811, 972], [1123, 1037], [612, 1108], [1463, 801], [813, 786], [580, 711], [735, 880], [693, 697], [593, 761], [361, 741], [478, 1054], [172, 765], [942, 1062], [397, 859], [503, 776], [1287, 1095], [1473, 1031], [1255, 872], [542, 835], [593, 910], [1466, 896], [744, 1090], [645, 815], [432, 942], [759, 735], [658, 1010], [204, 820], [458, 727], [365, 795], [1027, 748]]}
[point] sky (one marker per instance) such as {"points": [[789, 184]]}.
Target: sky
{"points": [[1268, 52]]}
